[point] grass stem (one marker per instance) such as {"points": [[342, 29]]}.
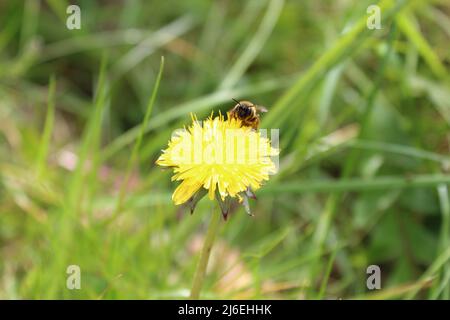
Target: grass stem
{"points": [[135, 152]]}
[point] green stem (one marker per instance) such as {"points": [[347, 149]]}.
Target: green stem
{"points": [[200, 272]]}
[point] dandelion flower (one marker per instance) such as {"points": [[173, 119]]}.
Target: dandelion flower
{"points": [[220, 158]]}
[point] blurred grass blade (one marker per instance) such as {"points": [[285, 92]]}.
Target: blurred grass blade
{"points": [[137, 144], [326, 217], [395, 292], [439, 17], [357, 185], [407, 26], [329, 87], [59, 8], [29, 21], [77, 189], [159, 38], [400, 149], [255, 46], [90, 137], [439, 94], [8, 32], [48, 129], [444, 286], [93, 41], [326, 277], [441, 260], [269, 243], [328, 60]]}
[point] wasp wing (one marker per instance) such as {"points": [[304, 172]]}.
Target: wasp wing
{"points": [[261, 109]]}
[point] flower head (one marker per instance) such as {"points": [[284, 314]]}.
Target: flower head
{"points": [[220, 158]]}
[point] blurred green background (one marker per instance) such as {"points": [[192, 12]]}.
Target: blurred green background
{"points": [[364, 121]]}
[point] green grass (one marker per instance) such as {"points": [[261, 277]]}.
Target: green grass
{"points": [[364, 137]]}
